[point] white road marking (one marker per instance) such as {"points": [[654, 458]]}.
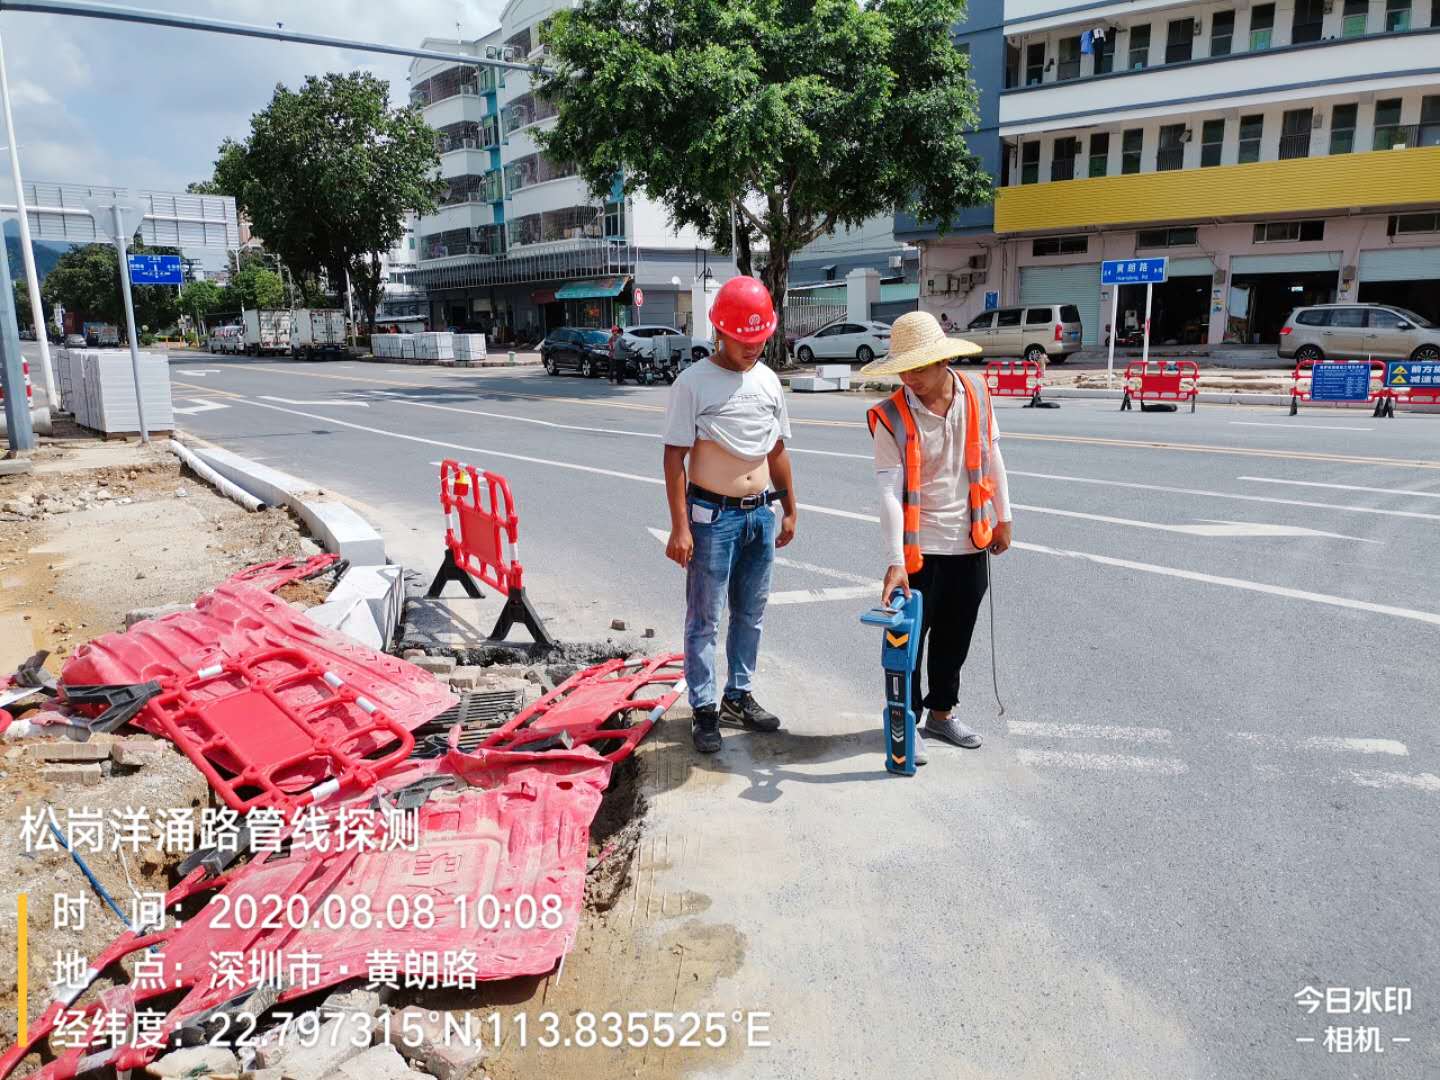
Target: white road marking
{"points": [[1103, 560], [1069, 759], [1342, 487], [1232, 529], [199, 371], [1375, 778], [1298, 427], [1225, 495], [1033, 729], [810, 596], [794, 564], [202, 405], [1333, 743], [292, 401]]}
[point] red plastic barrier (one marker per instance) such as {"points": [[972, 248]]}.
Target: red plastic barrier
{"points": [[29, 389], [1161, 380], [1302, 379], [1014, 378]]}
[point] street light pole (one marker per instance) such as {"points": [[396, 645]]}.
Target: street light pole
{"points": [[27, 253], [120, 246]]}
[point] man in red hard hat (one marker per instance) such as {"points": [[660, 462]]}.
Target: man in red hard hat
{"points": [[725, 463]]}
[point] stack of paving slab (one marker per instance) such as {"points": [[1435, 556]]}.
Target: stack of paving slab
{"points": [[469, 348], [407, 347], [98, 387], [826, 377], [386, 346], [435, 348]]}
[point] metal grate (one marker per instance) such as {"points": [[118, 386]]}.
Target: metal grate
{"points": [[478, 714]]}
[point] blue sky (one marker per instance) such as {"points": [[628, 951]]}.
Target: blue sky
{"points": [[117, 104]]}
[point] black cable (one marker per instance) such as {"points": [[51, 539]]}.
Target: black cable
{"points": [[994, 665]]}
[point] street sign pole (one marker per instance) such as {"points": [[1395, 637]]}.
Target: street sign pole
{"points": [[1114, 331], [1145, 352], [120, 248]]}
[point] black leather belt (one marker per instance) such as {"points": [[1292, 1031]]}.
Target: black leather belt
{"points": [[736, 502]]}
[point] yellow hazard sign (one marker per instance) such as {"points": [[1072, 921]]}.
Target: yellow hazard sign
{"points": [[1398, 376]]}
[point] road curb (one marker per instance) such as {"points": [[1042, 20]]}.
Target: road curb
{"points": [[368, 601], [409, 360]]}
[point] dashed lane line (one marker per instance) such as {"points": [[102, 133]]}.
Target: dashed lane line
{"points": [[1411, 492]]}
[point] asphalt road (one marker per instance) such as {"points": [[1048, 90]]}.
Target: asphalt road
{"points": [[1217, 775]]}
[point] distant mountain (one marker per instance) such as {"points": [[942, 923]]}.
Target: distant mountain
{"points": [[47, 252]]}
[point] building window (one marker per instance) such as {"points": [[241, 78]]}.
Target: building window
{"points": [[1030, 163], [1405, 224], [1388, 132], [1262, 26], [1295, 133], [1356, 15], [1180, 41], [1158, 238], [1309, 18], [1342, 129], [1060, 245], [1131, 144], [1105, 54], [1222, 33], [1212, 142], [1069, 66], [1062, 165], [1429, 121], [1034, 64], [1012, 67], [1279, 232], [412, 243], [1099, 153], [1252, 129], [1139, 47], [615, 220], [1397, 16], [1170, 155]]}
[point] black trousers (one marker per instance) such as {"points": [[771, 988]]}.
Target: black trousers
{"points": [[953, 586]]}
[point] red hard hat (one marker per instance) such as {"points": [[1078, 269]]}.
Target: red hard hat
{"points": [[743, 310]]}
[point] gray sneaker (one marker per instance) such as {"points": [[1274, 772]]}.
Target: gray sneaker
{"points": [[952, 731]]}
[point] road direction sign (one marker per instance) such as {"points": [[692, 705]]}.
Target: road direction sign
{"points": [[156, 270], [1340, 382], [1424, 374], [1133, 271]]}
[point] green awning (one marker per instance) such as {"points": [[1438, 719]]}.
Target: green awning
{"points": [[592, 290]]}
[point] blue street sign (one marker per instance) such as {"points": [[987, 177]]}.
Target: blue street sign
{"points": [[1424, 374], [1340, 382], [156, 270], [1132, 271], [992, 300]]}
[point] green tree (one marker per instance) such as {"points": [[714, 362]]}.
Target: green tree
{"points": [[804, 115], [256, 287], [201, 298], [87, 280], [22, 305], [327, 176]]}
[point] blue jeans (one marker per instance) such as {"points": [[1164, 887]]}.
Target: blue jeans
{"points": [[732, 559]]}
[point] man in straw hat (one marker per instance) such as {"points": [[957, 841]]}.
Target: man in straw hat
{"points": [[725, 464], [944, 503]]}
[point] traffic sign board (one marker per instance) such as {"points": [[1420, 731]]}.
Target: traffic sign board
{"points": [[1340, 382], [639, 297], [156, 270], [1133, 271], [1413, 373]]}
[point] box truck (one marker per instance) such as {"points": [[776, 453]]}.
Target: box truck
{"points": [[267, 332], [318, 331]]}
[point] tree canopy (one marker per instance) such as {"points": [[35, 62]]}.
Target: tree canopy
{"points": [[806, 115], [87, 280], [327, 175]]}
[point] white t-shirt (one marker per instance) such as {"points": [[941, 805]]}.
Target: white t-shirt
{"points": [[743, 412]]}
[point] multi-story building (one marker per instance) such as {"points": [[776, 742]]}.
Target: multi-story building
{"points": [[1278, 153], [401, 302], [519, 241]]}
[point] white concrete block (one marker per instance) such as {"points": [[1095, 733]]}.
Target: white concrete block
{"points": [[271, 485], [808, 384], [342, 531], [366, 604]]}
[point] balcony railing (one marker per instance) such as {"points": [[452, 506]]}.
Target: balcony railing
{"points": [[1062, 169], [1396, 136], [1067, 70], [1295, 146], [1169, 159]]}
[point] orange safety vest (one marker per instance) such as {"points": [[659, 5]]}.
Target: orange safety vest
{"points": [[894, 413]]}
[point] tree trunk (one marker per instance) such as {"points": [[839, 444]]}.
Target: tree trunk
{"points": [[743, 261], [776, 277]]}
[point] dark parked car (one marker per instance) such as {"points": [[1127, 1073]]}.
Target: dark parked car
{"points": [[574, 349]]}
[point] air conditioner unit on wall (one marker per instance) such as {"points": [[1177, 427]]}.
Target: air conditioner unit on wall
{"points": [[937, 285], [980, 262]]}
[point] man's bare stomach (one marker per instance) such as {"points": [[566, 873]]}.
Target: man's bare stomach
{"points": [[714, 468]]}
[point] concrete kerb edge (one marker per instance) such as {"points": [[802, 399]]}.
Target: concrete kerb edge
{"points": [[368, 601]]}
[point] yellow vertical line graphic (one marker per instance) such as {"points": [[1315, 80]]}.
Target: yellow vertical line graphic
{"points": [[22, 970]]}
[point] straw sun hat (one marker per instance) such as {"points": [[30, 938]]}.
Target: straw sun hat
{"points": [[916, 341]]}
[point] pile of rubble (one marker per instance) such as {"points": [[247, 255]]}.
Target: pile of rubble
{"points": [[466, 798]]}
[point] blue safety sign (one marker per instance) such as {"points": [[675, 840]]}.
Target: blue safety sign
{"points": [[156, 270], [992, 300], [1340, 382], [1401, 374], [1133, 271]]}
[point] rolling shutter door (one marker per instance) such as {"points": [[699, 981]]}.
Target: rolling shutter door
{"points": [[1078, 285], [1400, 264]]}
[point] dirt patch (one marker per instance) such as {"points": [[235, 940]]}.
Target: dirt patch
{"points": [[309, 593], [615, 838]]}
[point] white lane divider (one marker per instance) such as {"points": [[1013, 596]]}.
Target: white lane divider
{"points": [[1376, 778], [1086, 762], [1035, 729], [328, 401], [1214, 529], [1298, 427], [1333, 743], [201, 405], [1342, 487]]}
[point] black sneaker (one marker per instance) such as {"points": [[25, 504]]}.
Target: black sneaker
{"points": [[749, 714], [705, 729]]}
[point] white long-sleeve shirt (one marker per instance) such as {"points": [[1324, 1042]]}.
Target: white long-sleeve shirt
{"points": [[944, 486]]}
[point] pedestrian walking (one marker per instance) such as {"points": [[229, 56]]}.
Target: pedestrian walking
{"points": [[725, 465], [944, 505]]}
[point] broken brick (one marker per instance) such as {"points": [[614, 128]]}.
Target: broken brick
{"points": [[436, 665], [441, 1057], [134, 753], [69, 751], [72, 775]]}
